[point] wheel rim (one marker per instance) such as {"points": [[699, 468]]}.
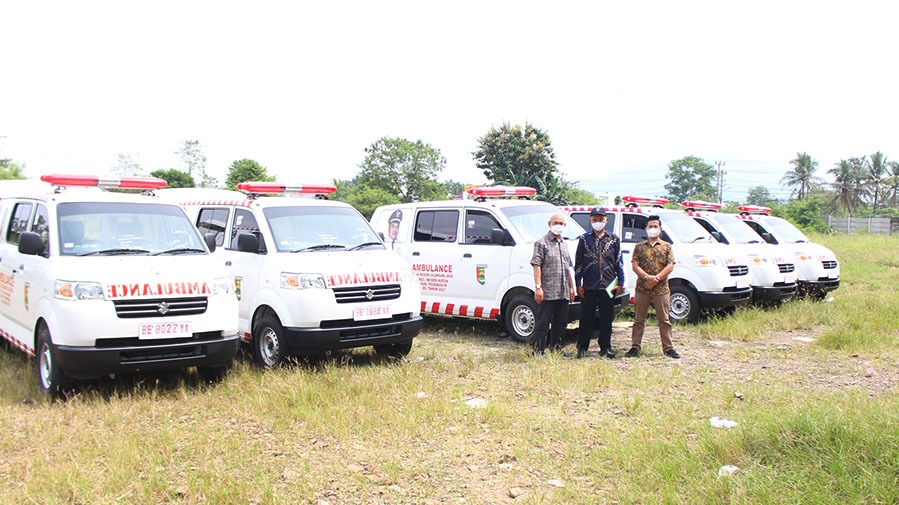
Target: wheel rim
{"points": [[523, 320], [269, 346], [679, 306], [45, 364]]}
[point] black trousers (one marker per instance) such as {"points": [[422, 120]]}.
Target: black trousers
{"points": [[555, 312], [592, 299]]}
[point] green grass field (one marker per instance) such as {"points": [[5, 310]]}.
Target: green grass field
{"points": [[472, 418]]}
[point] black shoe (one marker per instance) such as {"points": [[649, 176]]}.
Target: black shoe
{"points": [[671, 353], [581, 354], [632, 353], [567, 355], [607, 353]]}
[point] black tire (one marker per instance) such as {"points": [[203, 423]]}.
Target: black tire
{"points": [[50, 378], [214, 374], [395, 350], [520, 317], [683, 304], [269, 344]]}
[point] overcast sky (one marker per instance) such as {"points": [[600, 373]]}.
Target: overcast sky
{"points": [[621, 88]]}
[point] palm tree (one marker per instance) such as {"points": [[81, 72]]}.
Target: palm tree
{"points": [[847, 175], [892, 181], [802, 175], [875, 170]]}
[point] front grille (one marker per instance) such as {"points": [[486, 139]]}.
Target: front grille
{"points": [[160, 307], [829, 264], [736, 270], [786, 267], [367, 293]]}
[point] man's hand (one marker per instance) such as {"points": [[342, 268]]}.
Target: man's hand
{"points": [[580, 291], [538, 295], [571, 294], [618, 289]]}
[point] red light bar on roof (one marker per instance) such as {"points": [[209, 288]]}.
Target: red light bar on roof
{"points": [[110, 182], [503, 191], [278, 188], [701, 205], [754, 209], [644, 200]]}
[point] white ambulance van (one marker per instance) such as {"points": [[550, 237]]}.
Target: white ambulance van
{"points": [[816, 266], [707, 275], [472, 256], [94, 283], [772, 269], [312, 276]]}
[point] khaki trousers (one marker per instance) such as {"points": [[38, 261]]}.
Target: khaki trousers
{"points": [[641, 307]]}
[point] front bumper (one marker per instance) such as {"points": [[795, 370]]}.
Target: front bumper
{"points": [[345, 334], [822, 285], [734, 297], [126, 355], [779, 292]]}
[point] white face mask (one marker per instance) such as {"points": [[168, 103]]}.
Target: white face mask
{"points": [[557, 229], [653, 232], [598, 226]]}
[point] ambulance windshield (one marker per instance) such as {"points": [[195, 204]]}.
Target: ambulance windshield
{"points": [[532, 221], [117, 228], [741, 231], [319, 228]]}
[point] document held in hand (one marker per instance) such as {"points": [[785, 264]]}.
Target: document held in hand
{"points": [[612, 285]]}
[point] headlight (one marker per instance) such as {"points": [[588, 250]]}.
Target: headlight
{"points": [[707, 261], [756, 259], [801, 256], [223, 286], [68, 290], [302, 281]]}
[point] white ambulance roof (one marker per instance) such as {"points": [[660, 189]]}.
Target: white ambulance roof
{"points": [[211, 196]]}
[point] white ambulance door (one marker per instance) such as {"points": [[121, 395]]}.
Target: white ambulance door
{"points": [[482, 265], [14, 265], [246, 266], [433, 255], [32, 269]]}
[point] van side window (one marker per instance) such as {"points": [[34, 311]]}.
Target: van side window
{"points": [[245, 222], [478, 227], [759, 229], [633, 228], [213, 221], [709, 228], [41, 227], [436, 226], [21, 216]]}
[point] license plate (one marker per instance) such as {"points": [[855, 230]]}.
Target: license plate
{"points": [[832, 275], [164, 330], [371, 312], [742, 283], [790, 278]]}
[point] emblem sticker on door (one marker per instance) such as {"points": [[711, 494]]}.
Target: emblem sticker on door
{"points": [[482, 274]]}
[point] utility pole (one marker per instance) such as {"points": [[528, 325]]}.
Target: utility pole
{"points": [[721, 174]]}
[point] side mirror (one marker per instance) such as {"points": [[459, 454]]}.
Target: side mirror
{"points": [[30, 243], [381, 234], [498, 236], [210, 241], [768, 238], [247, 242], [717, 236]]}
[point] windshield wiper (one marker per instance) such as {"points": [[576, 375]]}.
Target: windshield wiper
{"points": [[364, 244], [697, 238], [754, 242], [180, 250], [320, 247], [112, 252]]}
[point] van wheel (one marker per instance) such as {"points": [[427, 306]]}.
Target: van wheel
{"points": [[269, 346], [684, 305], [521, 318], [394, 350], [50, 377], [214, 374]]}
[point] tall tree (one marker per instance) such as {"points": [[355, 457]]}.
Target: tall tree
{"points": [[892, 182], [174, 177], [691, 178], [126, 165], [759, 195], [404, 168], [847, 184], [875, 174], [244, 170], [193, 162], [802, 177], [518, 155], [10, 170]]}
